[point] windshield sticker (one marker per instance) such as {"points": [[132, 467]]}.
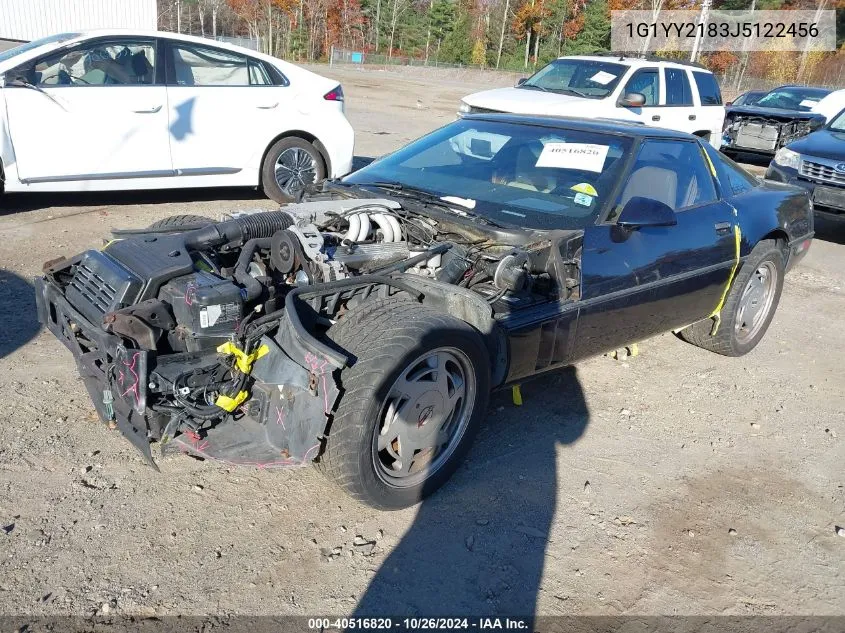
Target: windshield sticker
{"points": [[469, 203], [582, 156], [583, 199], [808, 103], [602, 78], [585, 187]]}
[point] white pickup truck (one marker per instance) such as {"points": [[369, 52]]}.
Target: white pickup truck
{"points": [[658, 92]]}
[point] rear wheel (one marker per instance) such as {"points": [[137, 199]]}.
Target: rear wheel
{"points": [[412, 402], [290, 166], [749, 307]]}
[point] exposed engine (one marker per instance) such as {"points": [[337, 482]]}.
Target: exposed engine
{"points": [[757, 133], [201, 327]]}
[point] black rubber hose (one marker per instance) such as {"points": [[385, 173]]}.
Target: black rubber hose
{"points": [[241, 273], [257, 226]]}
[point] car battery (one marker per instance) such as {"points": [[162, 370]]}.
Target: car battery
{"points": [[207, 309]]}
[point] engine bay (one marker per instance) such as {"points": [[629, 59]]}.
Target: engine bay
{"points": [[200, 325], [759, 133]]}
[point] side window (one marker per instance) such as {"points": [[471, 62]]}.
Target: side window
{"points": [[672, 172], [647, 83], [708, 89], [199, 66], [678, 91], [732, 179], [121, 63]]}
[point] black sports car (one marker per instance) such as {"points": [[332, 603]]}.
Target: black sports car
{"points": [[364, 327], [816, 163], [774, 120]]}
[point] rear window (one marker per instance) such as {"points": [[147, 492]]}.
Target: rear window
{"points": [[732, 178], [708, 89], [678, 91]]}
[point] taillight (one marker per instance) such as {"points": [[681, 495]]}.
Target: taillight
{"points": [[335, 94]]}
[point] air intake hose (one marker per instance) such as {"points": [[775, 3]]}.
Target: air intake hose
{"points": [[250, 227]]}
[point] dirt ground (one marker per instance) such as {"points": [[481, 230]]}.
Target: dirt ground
{"points": [[675, 482]]}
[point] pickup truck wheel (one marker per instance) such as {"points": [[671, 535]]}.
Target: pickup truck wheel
{"points": [[291, 164], [411, 405], [749, 306]]}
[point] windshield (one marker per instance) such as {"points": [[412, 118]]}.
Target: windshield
{"points": [[52, 39], [793, 98], [527, 175], [838, 123], [581, 77]]}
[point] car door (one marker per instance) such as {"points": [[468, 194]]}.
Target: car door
{"points": [[711, 111], [89, 112], [645, 81], [639, 282], [224, 108], [679, 112]]}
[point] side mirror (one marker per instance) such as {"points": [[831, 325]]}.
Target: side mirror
{"points": [[639, 212], [632, 100], [817, 123], [521, 81], [727, 103]]}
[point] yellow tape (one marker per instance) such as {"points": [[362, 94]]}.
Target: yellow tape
{"points": [[517, 395], [243, 360], [230, 404], [710, 162], [716, 314]]}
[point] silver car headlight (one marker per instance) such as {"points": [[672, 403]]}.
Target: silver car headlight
{"points": [[785, 157], [464, 108]]}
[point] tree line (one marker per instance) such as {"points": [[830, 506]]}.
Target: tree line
{"points": [[506, 34]]}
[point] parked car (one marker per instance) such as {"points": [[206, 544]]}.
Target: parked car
{"points": [[110, 110], [747, 98], [365, 326], [653, 91], [816, 163], [779, 117]]}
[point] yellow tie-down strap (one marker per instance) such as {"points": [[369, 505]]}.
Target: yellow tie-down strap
{"points": [[716, 314], [230, 404], [243, 360]]}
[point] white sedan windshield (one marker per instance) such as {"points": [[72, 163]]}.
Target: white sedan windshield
{"points": [[28, 46]]}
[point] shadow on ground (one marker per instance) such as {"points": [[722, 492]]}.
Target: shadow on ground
{"points": [[830, 230], [17, 312], [478, 547]]}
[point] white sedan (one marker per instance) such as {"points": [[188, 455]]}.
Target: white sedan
{"points": [[111, 110]]}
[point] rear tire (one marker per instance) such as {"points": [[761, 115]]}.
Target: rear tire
{"points": [[749, 307], [291, 164], [412, 402]]}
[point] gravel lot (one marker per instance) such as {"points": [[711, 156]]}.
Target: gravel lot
{"points": [[675, 482]]}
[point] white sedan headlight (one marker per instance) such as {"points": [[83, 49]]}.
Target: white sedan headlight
{"points": [[464, 108], [787, 158]]}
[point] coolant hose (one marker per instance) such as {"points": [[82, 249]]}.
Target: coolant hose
{"points": [[241, 274]]}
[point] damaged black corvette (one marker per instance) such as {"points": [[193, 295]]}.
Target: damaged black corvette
{"points": [[364, 327]]}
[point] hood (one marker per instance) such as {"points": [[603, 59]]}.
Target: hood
{"points": [[824, 144], [527, 101], [772, 113]]}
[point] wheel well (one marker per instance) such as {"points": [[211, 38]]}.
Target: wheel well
{"points": [[305, 136], [782, 238]]}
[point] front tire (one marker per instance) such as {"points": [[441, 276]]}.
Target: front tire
{"points": [[412, 402], [749, 307], [291, 164]]}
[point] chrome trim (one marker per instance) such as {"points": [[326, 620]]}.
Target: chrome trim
{"points": [[162, 173], [821, 170]]}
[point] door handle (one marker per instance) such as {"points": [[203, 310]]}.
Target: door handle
{"points": [[722, 228], [151, 110], [692, 117], [267, 106], [656, 117]]}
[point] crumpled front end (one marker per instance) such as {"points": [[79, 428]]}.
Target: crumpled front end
{"points": [[759, 134]]}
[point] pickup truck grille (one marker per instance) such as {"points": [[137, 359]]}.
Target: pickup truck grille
{"points": [[819, 172]]}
